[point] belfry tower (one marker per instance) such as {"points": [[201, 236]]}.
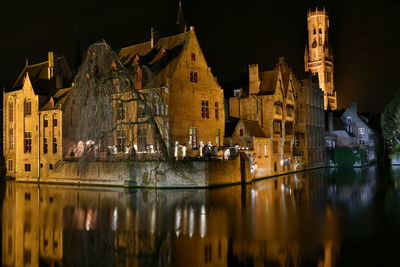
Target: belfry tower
{"points": [[318, 56]]}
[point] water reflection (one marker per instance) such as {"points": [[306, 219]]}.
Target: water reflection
{"points": [[292, 220]]}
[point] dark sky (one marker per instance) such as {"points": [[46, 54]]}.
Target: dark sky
{"points": [[365, 36]]}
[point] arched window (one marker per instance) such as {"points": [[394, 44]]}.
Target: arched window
{"points": [[27, 107], [10, 111]]}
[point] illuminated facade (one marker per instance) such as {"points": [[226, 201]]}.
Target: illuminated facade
{"points": [[318, 55], [271, 102]]}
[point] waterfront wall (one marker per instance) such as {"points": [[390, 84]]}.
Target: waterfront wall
{"points": [[150, 173]]}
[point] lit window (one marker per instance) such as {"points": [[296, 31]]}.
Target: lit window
{"points": [[120, 110], [193, 77], [193, 137], [361, 131], [348, 119], [265, 150], [216, 110], [121, 138], [27, 142], [277, 126], [27, 107], [142, 137], [205, 109]]}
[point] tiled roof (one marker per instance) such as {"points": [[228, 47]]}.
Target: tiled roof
{"points": [[161, 59]]}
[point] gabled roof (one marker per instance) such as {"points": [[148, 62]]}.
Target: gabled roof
{"points": [[268, 81], [35, 71], [161, 59]]}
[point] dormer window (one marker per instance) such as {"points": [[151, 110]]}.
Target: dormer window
{"points": [[193, 57], [348, 119]]}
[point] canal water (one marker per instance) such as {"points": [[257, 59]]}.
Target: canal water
{"points": [[325, 217]]}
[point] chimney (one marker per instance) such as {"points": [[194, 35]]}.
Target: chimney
{"points": [[254, 80], [353, 108], [52, 64]]}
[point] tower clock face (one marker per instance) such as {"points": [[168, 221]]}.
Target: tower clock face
{"points": [[314, 44]]}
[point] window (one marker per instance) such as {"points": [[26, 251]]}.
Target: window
{"points": [[120, 110], [27, 257], [27, 169], [289, 111], [141, 113], [277, 127], [142, 137], [361, 131], [10, 112], [320, 31], [361, 142], [216, 110], [193, 77], [27, 107], [193, 137], [265, 150], [10, 165], [348, 119], [11, 138], [45, 122], [50, 166], [121, 138], [320, 41], [55, 122], [259, 151], [349, 129], [314, 31], [27, 142], [193, 57], [205, 109], [289, 128], [45, 146], [275, 146], [241, 132], [54, 145], [278, 109]]}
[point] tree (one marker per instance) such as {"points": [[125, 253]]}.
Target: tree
{"points": [[390, 121]]}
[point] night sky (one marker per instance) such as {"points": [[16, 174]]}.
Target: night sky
{"points": [[365, 36]]}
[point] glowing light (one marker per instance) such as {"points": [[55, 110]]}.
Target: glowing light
{"points": [[114, 221], [191, 221], [178, 216], [203, 221]]}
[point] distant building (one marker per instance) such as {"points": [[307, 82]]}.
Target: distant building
{"points": [[318, 55], [348, 128]]}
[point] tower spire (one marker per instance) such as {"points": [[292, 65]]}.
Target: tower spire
{"points": [[180, 19]]}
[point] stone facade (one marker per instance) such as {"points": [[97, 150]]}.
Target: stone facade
{"points": [[271, 101], [32, 120], [318, 56], [310, 124], [40, 129]]}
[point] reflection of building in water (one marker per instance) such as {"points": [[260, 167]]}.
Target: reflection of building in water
{"points": [[278, 221]]}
